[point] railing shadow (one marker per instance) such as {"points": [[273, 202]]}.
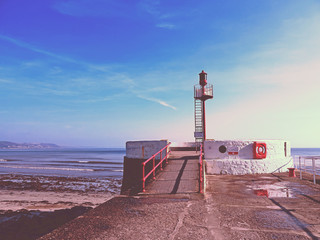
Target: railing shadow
{"points": [[178, 179], [181, 171], [311, 198], [296, 220]]}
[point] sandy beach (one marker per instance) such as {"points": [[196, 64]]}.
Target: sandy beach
{"points": [[31, 206]]}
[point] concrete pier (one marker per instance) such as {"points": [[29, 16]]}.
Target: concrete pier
{"points": [[260, 206]]}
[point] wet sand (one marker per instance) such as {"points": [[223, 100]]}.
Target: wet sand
{"points": [[31, 206]]}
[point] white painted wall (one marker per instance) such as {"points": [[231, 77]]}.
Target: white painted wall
{"points": [[243, 163], [144, 149], [275, 148]]}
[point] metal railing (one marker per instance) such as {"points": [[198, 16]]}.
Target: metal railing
{"points": [[312, 168], [154, 166], [208, 90], [201, 174]]}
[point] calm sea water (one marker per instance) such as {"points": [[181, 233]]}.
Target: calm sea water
{"points": [[305, 151], [82, 162], [75, 162]]}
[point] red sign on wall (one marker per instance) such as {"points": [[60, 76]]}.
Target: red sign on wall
{"points": [[233, 153]]}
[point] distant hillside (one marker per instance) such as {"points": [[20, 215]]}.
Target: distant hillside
{"points": [[12, 145]]}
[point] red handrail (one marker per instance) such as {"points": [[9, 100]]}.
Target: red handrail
{"points": [[154, 167], [201, 171]]}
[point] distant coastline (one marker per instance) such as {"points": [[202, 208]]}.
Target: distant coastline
{"points": [[13, 145]]}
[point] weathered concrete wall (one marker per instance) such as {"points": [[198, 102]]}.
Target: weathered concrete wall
{"points": [[278, 157], [136, 153], [144, 149], [132, 176]]}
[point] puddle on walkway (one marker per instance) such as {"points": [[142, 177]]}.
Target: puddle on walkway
{"points": [[266, 177], [272, 192], [279, 189]]}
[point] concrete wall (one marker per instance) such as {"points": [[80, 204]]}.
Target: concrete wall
{"points": [[144, 149], [136, 153], [275, 149], [278, 157]]}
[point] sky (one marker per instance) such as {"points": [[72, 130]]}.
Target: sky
{"points": [[102, 72]]}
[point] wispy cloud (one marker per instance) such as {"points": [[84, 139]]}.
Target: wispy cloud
{"points": [[102, 68], [94, 8], [59, 92], [95, 100], [31, 64], [40, 90], [89, 67], [166, 25], [101, 99], [98, 76], [157, 89], [6, 81], [161, 102], [153, 7], [150, 6], [36, 49]]}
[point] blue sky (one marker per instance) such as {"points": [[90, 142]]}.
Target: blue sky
{"points": [[102, 72]]}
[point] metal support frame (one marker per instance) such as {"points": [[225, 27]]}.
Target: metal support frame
{"points": [[204, 120], [202, 92], [201, 171]]}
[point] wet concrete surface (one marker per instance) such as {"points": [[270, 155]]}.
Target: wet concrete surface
{"points": [[242, 214], [230, 209]]}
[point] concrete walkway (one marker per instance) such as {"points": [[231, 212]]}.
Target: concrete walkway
{"points": [[181, 175], [266, 206]]}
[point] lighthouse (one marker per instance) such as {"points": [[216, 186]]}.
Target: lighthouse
{"points": [[202, 92]]}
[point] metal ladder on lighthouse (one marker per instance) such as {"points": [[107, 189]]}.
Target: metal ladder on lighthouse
{"points": [[198, 121]]}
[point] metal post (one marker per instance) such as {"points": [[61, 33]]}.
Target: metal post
{"points": [[203, 120], [201, 179], [166, 155], [161, 160], [154, 164], [200, 170], [314, 170], [143, 180], [300, 167]]}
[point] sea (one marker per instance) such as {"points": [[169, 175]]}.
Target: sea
{"points": [[86, 162], [305, 152], [65, 162]]}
